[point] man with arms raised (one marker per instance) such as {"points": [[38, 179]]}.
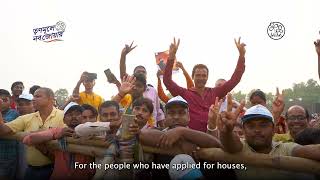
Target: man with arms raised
{"points": [[200, 97]]}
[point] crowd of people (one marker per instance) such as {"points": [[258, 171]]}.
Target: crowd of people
{"points": [[139, 115]]}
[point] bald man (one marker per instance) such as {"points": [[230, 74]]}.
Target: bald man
{"points": [[297, 119]]}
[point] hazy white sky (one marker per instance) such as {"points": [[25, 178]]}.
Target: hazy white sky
{"points": [[97, 31]]}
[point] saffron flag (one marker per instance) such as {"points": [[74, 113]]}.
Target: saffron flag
{"points": [[161, 60]]}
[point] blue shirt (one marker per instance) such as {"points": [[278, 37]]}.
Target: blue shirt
{"points": [[9, 148]]}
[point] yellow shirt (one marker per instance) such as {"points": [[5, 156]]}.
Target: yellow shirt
{"points": [[283, 137], [33, 122], [92, 99], [278, 149], [126, 103]]}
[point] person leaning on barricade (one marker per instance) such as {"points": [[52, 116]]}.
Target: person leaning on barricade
{"points": [[120, 150], [258, 126], [9, 148], [39, 165], [64, 162], [176, 134], [89, 114]]}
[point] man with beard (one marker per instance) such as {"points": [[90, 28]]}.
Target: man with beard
{"points": [[39, 165], [258, 127], [200, 97]]}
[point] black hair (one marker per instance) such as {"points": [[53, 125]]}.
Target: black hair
{"points": [[33, 89], [199, 66], [305, 110], [91, 108], [107, 104], [47, 91], [258, 93], [141, 78], [308, 136], [4, 92], [140, 66], [15, 84], [143, 101]]}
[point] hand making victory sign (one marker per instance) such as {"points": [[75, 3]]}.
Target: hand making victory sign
{"points": [[173, 49], [240, 46]]}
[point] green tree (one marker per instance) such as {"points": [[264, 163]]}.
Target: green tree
{"points": [[61, 96], [238, 96], [304, 94]]}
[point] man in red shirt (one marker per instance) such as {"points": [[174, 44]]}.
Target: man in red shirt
{"points": [[201, 97]]}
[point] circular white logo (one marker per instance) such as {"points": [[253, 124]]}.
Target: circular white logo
{"points": [[60, 26], [276, 30]]}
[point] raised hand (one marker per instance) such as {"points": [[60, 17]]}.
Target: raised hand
{"points": [[278, 103], [83, 76], [173, 49], [179, 65], [240, 46], [127, 85], [213, 113], [317, 46], [227, 120], [127, 49], [159, 73]]}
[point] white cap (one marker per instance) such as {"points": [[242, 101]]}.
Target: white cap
{"points": [[186, 173], [70, 105], [26, 96], [257, 111], [177, 100]]}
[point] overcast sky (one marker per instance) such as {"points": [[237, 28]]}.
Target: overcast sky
{"points": [[96, 31]]}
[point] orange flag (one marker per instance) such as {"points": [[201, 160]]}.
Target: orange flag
{"points": [[161, 60]]}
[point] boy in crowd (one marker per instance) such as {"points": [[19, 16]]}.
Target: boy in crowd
{"points": [[87, 96], [132, 88], [16, 89], [89, 114]]}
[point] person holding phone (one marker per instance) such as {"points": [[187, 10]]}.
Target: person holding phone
{"points": [[112, 78], [87, 96]]}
